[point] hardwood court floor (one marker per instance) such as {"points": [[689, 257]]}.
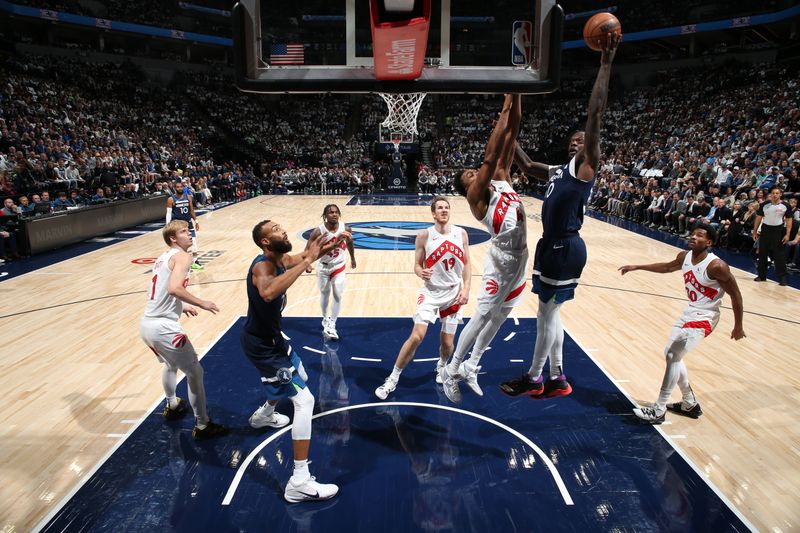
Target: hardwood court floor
{"points": [[77, 376]]}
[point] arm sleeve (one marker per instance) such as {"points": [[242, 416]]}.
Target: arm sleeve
{"points": [[169, 215]]}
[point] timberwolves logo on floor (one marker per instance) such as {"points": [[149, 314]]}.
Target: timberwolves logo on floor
{"points": [[394, 235]]}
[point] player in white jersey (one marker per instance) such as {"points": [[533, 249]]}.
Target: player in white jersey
{"points": [[707, 278], [163, 334], [331, 267], [441, 259], [492, 201]]}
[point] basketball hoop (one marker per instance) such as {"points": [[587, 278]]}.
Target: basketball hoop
{"points": [[403, 110]]}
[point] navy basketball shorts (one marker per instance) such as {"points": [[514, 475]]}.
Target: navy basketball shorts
{"points": [[269, 357], [557, 268]]}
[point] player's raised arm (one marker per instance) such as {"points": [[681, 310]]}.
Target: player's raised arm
{"points": [[660, 268], [597, 105], [477, 193], [528, 166], [510, 139]]}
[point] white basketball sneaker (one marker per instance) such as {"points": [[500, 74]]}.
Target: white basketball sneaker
{"points": [[387, 388], [438, 371], [260, 420], [309, 490], [332, 334], [471, 376]]}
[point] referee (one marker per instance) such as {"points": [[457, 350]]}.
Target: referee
{"points": [[775, 219]]}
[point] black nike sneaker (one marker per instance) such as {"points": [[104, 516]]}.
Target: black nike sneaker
{"points": [[679, 409], [522, 385], [210, 431], [177, 413]]}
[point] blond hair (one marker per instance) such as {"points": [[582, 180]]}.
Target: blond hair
{"points": [[172, 229]]}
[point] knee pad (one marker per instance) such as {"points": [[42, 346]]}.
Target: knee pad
{"points": [[303, 409]]}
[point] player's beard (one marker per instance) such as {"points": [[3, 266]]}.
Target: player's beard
{"points": [[280, 247]]}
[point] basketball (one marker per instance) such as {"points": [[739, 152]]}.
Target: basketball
{"points": [[597, 29]]}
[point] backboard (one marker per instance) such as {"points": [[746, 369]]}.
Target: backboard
{"points": [[326, 46]]}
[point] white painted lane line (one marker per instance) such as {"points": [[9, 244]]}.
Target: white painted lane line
{"points": [[310, 349], [365, 359], [545, 459], [426, 360], [510, 336], [516, 360]]}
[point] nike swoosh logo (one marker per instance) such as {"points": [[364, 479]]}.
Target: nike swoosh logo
{"points": [[315, 495], [558, 247]]}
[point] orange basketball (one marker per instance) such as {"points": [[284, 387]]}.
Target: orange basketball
{"points": [[597, 29]]}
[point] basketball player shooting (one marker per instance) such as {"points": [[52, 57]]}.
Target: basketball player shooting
{"points": [[561, 253], [706, 278], [492, 201]]}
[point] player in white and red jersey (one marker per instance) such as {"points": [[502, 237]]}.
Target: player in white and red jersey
{"points": [[331, 267], [492, 201], [442, 260], [707, 278], [163, 334]]}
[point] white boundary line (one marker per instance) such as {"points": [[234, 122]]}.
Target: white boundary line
{"points": [[426, 359], [310, 349], [370, 359], [702, 475], [44, 521], [546, 460]]}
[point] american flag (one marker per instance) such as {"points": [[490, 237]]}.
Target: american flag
{"points": [[286, 54]]}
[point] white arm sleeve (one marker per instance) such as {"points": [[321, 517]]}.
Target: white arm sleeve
{"points": [[169, 215]]}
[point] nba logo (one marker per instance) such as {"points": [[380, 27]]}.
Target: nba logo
{"points": [[522, 36]]}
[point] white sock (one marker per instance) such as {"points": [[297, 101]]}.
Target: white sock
{"points": [[395, 375], [173, 402], [301, 472], [268, 409]]}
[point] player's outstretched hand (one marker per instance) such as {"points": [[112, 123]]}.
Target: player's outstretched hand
{"points": [[315, 250], [353, 263], [738, 333], [625, 269], [426, 273], [610, 49], [190, 311], [208, 305]]}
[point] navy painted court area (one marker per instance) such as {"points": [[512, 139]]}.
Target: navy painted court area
{"points": [[487, 464]]}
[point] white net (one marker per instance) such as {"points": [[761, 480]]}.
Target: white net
{"points": [[403, 110]]}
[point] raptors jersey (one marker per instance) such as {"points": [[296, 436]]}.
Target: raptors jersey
{"points": [[444, 254], [160, 304], [705, 295], [336, 256], [505, 218]]}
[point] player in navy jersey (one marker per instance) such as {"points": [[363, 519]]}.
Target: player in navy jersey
{"points": [[180, 206], [561, 253], [271, 273]]}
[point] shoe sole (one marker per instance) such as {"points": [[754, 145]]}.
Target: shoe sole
{"points": [[268, 425], [679, 411], [532, 394], [307, 499], [554, 393]]}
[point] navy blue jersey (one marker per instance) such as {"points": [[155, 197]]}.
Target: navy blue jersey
{"points": [[180, 208], [264, 319], [564, 203]]}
